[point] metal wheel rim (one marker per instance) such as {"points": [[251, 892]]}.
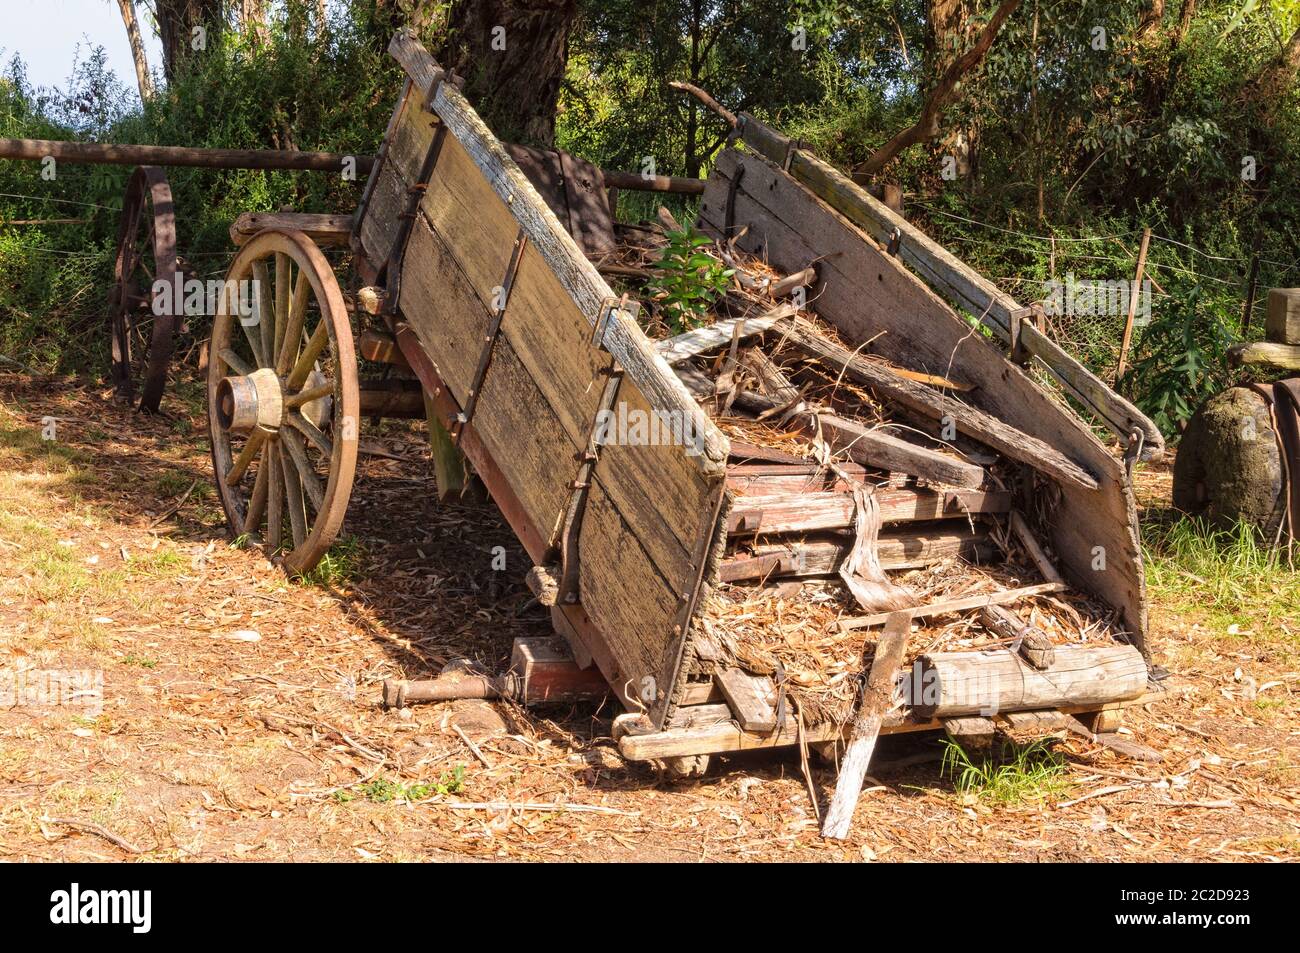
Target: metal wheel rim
{"points": [[146, 204]]}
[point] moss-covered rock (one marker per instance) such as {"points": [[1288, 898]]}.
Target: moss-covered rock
{"points": [[1228, 467]]}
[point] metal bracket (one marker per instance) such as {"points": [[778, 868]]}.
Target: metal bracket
{"points": [[490, 338], [729, 221], [1017, 352], [392, 270], [573, 514]]}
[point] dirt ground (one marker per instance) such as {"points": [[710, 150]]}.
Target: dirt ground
{"points": [[241, 716]]}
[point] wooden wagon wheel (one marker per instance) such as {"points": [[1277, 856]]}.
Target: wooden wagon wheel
{"points": [[283, 399], [141, 323]]}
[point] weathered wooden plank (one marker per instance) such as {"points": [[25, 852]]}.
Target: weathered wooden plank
{"points": [[943, 271], [579, 277], [924, 400], [877, 696], [911, 326], [1282, 319], [752, 698], [822, 557], [874, 448], [1000, 598], [324, 230], [814, 509], [719, 334]]}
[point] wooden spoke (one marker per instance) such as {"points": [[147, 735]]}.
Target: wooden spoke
{"points": [[264, 330], [275, 500], [293, 498], [309, 394], [293, 333], [306, 474], [281, 302], [313, 433], [235, 362], [246, 455], [307, 359], [257, 502]]}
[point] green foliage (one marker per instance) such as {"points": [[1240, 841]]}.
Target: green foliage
{"points": [[688, 280], [1034, 772], [1183, 360], [385, 791]]}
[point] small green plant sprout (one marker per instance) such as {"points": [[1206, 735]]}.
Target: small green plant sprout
{"points": [[689, 280], [386, 791], [1032, 772]]}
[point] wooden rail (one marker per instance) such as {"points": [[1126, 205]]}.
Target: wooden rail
{"points": [[36, 150]]}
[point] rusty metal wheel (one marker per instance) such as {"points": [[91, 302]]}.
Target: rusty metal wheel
{"points": [[142, 324], [283, 399]]}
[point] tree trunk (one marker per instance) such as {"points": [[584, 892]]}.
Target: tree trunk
{"points": [[252, 15], [142, 76], [950, 32], [512, 54], [177, 20], [944, 92]]}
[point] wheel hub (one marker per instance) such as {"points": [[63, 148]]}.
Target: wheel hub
{"points": [[254, 400]]}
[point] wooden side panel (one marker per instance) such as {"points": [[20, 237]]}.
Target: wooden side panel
{"points": [[651, 503], [868, 294]]}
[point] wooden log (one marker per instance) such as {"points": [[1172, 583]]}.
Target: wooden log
{"points": [[103, 153], [639, 182], [1031, 643], [1285, 356], [800, 279], [948, 684], [752, 699], [1282, 320], [877, 697], [920, 399], [822, 557], [1002, 598], [391, 398], [820, 510], [684, 346], [328, 231], [973, 733], [875, 448]]}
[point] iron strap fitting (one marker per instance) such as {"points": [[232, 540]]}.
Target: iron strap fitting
{"points": [[490, 337], [611, 309]]}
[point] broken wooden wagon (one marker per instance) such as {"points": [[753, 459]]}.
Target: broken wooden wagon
{"points": [[525, 354]]}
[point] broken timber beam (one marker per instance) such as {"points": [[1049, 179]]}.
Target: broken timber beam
{"points": [[690, 344], [877, 697], [1002, 598], [1030, 642], [930, 403], [875, 448], [814, 557], [814, 509]]}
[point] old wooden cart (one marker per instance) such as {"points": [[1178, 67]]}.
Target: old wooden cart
{"points": [[519, 344]]}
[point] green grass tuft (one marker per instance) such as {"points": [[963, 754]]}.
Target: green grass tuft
{"points": [[1032, 772]]}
